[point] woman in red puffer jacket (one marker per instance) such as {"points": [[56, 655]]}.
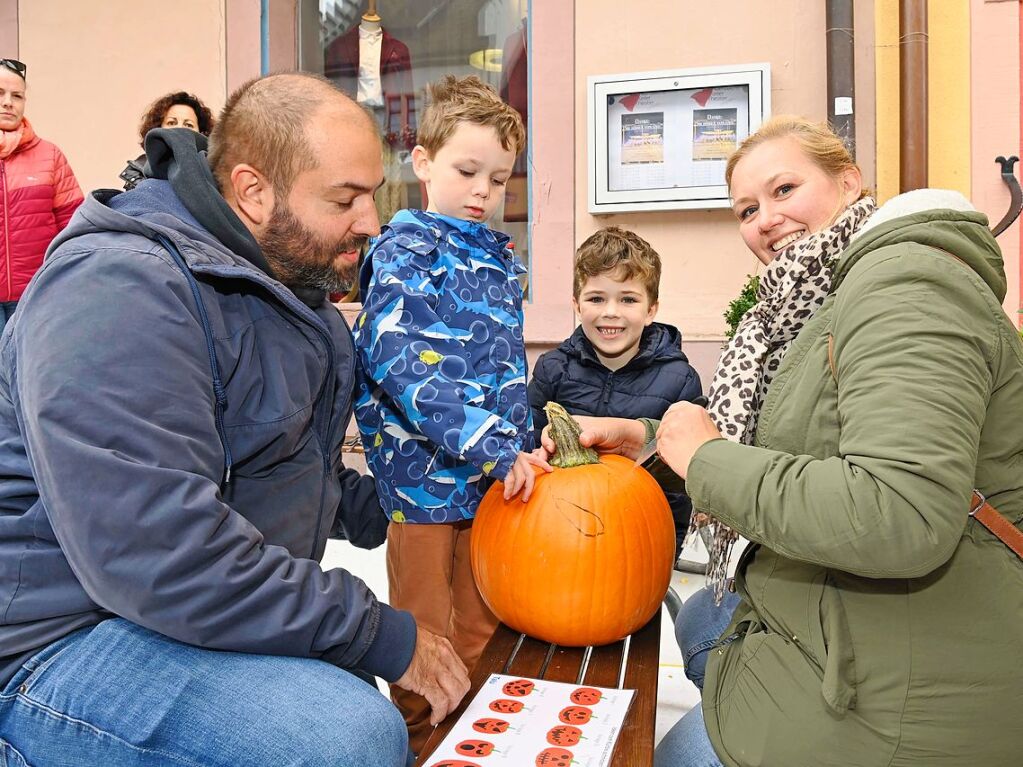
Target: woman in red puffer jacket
{"points": [[38, 191]]}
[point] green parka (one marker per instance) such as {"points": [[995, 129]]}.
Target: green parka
{"points": [[879, 623]]}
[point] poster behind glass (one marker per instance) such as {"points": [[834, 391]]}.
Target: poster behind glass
{"points": [[674, 138], [385, 53]]}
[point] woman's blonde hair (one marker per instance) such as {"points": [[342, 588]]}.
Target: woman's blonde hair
{"points": [[817, 141]]}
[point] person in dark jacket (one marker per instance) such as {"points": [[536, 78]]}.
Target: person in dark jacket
{"points": [[178, 109], [618, 362], [38, 193], [174, 392]]}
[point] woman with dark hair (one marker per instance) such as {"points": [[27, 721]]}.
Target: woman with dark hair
{"points": [[174, 110]]}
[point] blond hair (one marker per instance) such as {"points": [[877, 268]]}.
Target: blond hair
{"points": [[818, 142], [470, 100], [623, 254]]}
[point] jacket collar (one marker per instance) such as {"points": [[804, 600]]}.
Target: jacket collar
{"points": [[933, 218], [28, 134], [482, 235], [658, 342], [153, 208]]}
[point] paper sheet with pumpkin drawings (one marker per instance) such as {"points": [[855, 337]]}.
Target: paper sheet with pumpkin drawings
{"points": [[526, 722]]}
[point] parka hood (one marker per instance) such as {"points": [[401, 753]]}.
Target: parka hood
{"points": [[659, 343], [915, 218]]}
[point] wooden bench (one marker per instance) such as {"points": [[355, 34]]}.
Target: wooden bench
{"points": [[631, 664]]}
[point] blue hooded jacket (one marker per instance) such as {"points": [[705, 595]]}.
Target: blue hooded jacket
{"points": [[113, 450], [441, 401]]}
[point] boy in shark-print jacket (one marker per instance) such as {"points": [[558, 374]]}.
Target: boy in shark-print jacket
{"points": [[441, 395], [441, 402]]}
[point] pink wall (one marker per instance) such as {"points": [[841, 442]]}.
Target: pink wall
{"points": [[995, 117], [9, 29], [94, 67], [87, 91], [283, 34], [704, 261], [243, 43], [552, 114]]}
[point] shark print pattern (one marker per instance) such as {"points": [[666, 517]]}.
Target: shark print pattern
{"points": [[441, 398]]}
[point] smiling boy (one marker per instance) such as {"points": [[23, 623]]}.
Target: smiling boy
{"points": [[441, 401], [618, 362]]}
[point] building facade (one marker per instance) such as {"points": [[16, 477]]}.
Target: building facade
{"points": [[93, 67]]}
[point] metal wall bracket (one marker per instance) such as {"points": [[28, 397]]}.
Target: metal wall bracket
{"points": [[1015, 195]]}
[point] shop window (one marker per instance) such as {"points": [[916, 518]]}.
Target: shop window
{"points": [[418, 43]]}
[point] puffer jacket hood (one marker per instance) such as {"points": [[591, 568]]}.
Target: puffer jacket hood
{"points": [[573, 376], [179, 156], [660, 343], [180, 200]]}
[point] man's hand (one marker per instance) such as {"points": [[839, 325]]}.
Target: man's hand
{"points": [[623, 436], [522, 476], [437, 674]]}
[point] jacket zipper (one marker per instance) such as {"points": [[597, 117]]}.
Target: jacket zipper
{"points": [[319, 415], [747, 553], [324, 417], [605, 396], [740, 567], [7, 233], [323, 439]]}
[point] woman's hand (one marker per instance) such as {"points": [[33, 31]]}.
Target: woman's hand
{"points": [[684, 429], [623, 436]]}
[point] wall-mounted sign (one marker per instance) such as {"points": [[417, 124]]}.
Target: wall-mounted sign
{"points": [[660, 140]]}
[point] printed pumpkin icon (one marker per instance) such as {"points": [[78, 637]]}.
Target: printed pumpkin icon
{"points": [[564, 735], [505, 706], [475, 748], [518, 688], [575, 715], [554, 757], [586, 696], [493, 726], [455, 763]]}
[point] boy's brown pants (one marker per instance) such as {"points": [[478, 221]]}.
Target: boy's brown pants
{"points": [[429, 574]]}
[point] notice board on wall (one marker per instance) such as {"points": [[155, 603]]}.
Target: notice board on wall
{"points": [[660, 140]]}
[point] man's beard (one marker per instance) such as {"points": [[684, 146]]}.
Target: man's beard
{"points": [[301, 259]]}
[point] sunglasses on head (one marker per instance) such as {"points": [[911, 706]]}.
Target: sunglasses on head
{"points": [[15, 66]]}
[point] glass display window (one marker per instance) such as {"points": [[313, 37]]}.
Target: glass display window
{"points": [[384, 54]]}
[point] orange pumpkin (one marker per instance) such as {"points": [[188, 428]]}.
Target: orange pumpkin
{"points": [[587, 560]]}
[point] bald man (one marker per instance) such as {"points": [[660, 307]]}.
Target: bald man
{"points": [[173, 397]]}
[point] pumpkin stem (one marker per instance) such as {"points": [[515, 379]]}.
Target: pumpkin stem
{"points": [[565, 432]]}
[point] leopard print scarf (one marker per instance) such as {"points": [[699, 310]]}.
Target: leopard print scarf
{"points": [[792, 288]]}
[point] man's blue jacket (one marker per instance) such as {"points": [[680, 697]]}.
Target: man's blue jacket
{"points": [[116, 441]]}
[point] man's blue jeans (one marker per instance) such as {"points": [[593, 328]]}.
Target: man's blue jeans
{"points": [[117, 694], [698, 627]]}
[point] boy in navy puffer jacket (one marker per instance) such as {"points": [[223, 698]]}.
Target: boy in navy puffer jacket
{"points": [[618, 362], [441, 397]]}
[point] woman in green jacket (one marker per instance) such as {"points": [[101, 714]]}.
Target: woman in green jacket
{"points": [[876, 385]]}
